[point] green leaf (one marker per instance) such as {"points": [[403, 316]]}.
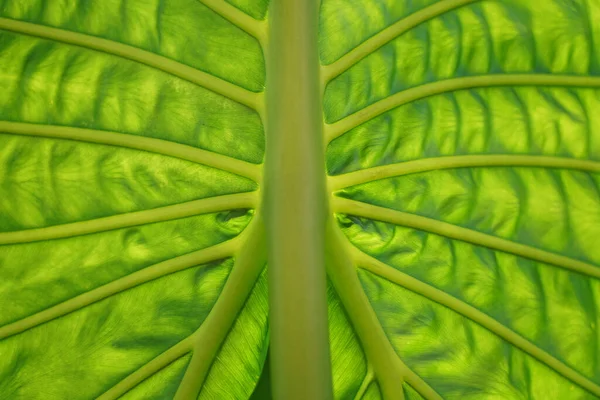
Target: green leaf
{"points": [[129, 170], [157, 156], [464, 157]]}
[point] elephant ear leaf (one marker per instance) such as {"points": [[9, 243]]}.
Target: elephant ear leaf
{"points": [[464, 156], [131, 255]]}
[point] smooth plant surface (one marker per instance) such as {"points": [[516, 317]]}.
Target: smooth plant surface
{"points": [[458, 158]]}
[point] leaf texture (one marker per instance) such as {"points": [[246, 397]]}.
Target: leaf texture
{"points": [[129, 166], [463, 157], [463, 197]]}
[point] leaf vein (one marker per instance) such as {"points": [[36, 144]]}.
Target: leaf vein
{"points": [[388, 368], [463, 234], [249, 261], [251, 26], [406, 96], [153, 145], [155, 365], [175, 68], [367, 380], [388, 34], [135, 218], [156, 271], [367, 175], [430, 292]]}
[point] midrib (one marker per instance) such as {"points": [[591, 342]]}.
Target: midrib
{"points": [[295, 204]]}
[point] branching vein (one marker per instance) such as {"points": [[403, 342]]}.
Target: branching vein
{"points": [[216, 252], [210, 82], [463, 161], [250, 260], [388, 368], [369, 376], [158, 146], [338, 128], [195, 207], [390, 33], [238, 18], [385, 271], [151, 368], [463, 234]]}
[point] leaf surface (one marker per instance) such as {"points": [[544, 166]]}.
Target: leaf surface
{"points": [[463, 197], [464, 157], [129, 169]]}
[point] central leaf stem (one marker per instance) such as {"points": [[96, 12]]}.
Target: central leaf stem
{"points": [[295, 204]]}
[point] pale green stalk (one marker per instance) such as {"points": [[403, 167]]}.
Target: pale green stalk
{"points": [[296, 204]]}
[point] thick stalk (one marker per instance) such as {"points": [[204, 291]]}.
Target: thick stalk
{"points": [[296, 204]]}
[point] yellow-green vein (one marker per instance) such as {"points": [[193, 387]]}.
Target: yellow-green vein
{"points": [[369, 377], [158, 146], [216, 252], [251, 26], [210, 82], [167, 213], [249, 261], [365, 210], [163, 360], [388, 34], [385, 271], [463, 161], [342, 126], [389, 370]]}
